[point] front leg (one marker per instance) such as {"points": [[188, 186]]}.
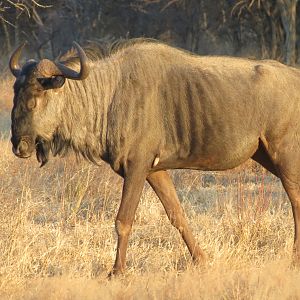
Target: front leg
{"points": [[134, 179]]}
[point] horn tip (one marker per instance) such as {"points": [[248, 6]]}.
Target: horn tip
{"points": [[75, 44], [25, 43]]}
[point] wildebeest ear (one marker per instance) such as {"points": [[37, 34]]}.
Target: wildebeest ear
{"points": [[51, 82]]}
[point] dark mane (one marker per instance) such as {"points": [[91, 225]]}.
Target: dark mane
{"points": [[93, 50], [96, 50], [122, 44]]}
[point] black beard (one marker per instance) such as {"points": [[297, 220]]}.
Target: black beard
{"points": [[56, 146], [43, 148]]}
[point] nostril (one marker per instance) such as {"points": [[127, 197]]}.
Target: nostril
{"points": [[23, 146]]}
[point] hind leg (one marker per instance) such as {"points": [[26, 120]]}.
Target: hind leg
{"points": [[292, 187], [286, 160]]}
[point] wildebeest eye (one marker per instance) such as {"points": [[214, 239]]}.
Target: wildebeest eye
{"points": [[51, 82]]}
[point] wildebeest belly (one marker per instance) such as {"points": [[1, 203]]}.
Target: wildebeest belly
{"points": [[210, 157]]}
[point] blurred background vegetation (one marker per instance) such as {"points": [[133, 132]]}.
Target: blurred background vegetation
{"points": [[253, 28]]}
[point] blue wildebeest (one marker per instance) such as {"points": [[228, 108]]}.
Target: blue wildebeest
{"points": [[148, 107]]}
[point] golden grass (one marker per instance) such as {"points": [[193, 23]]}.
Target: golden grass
{"points": [[57, 238]]}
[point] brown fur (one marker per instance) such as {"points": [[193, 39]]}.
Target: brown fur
{"points": [[147, 102]]}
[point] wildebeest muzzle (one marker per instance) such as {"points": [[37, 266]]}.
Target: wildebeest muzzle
{"points": [[23, 146]]}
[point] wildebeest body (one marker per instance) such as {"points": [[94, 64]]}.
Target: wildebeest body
{"points": [[149, 107], [204, 113]]}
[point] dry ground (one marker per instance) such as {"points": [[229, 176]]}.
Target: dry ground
{"points": [[57, 238]]}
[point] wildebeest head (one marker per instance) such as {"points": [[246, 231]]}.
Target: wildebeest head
{"points": [[35, 113]]}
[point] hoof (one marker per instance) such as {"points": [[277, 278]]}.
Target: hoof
{"points": [[114, 273], [200, 259]]}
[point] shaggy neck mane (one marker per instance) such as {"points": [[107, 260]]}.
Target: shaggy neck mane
{"points": [[84, 112], [85, 104]]}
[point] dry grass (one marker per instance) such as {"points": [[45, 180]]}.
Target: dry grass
{"points": [[57, 237]]}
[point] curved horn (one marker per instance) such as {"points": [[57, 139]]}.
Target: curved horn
{"points": [[84, 69], [14, 60]]}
